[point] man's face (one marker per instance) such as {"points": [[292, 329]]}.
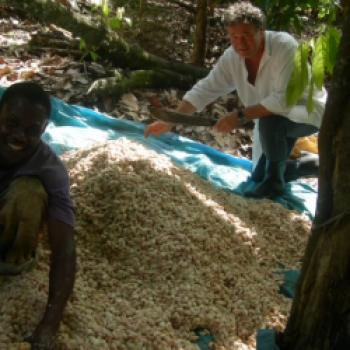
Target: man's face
{"points": [[246, 39], [21, 126]]}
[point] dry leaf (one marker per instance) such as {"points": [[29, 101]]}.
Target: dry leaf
{"points": [[13, 76], [130, 101], [52, 61], [27, 75], [5, 70]]}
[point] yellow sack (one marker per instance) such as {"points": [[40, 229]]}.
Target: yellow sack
{"points": [[308, 144]]}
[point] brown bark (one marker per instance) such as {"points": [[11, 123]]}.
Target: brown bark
{"points": [[212, 4], [139, 79], [320, 315], [199, 49], [55, 41], [190, 8], [142, 6], [334, 115], [345, 5]]}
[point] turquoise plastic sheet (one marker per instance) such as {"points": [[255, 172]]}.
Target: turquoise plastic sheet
{"points": [[290, 280], [266, 340], [74, 127]]}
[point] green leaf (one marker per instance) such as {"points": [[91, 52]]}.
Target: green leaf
{"points": [[299, 79], [320, 60], [82, 45], [324, 55], [310, 99], [332, 14], [115, 23], [94, 56], [105, 8]]}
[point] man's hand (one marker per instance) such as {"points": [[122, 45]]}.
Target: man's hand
{"points": [[157, 128], [227, 123], [62, 273]]}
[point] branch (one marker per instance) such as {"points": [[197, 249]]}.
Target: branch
{"points": [[185, 5]]}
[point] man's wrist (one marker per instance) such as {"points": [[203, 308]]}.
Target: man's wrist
{"points": [[242, 117]]}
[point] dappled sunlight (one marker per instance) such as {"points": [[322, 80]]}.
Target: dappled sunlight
{"points": [[240, 226]]}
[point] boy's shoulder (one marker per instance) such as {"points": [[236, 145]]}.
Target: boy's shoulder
{"points": [[47, 164]]}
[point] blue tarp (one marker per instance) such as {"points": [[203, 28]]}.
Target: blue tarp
{"points": [[266, 338], [75, 127]]}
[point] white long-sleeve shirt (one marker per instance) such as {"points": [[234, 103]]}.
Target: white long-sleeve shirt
{"points": [[269, 90]]}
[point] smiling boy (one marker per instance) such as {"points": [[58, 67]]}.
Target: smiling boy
{"points": [[34, 189]]}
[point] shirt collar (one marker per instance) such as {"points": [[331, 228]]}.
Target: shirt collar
{"points": [[267, 49]]}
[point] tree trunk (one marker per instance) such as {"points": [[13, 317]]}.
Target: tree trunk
{"points": [[139, 79], [211, 5], [142, 6], [106, 43], [55, 42], [345, 5], [198, 55], [320, 315], [190, 8]]}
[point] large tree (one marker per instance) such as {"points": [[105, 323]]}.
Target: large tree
{"points": [[320, 315], [198, 55]]}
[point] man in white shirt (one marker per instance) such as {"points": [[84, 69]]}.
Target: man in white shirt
{"points": [[258, 65]]}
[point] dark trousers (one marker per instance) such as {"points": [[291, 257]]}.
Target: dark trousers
{"points": [[278, 135]]}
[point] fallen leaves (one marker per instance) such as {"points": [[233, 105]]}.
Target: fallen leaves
{"points": [[5, 71]]}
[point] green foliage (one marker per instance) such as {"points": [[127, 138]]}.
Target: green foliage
{"points": [[105, 8], [324, 55], [328, 10], [333, 43], [310, 95], [110, 16], [115, 23], [293, 15], [321, 52], [110, 19], [323, 58], [300, 77], [88, 50], [319, 61]]}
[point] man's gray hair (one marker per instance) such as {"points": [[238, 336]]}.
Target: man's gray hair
{"points": [[245, 12]]}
